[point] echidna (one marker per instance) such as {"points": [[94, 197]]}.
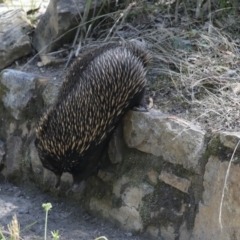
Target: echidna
{"points": [[99, 89], [88, 56]]}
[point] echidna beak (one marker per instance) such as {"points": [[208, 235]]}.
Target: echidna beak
{"points": [[58, 180]]}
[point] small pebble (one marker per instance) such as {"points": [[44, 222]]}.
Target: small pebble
{"points": [[40, 64]]}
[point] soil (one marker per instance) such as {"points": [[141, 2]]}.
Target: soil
{"points": [[72, 222]]}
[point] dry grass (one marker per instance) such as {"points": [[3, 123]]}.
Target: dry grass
{"points": [[203, 76], [13, 232], [194, 74]]}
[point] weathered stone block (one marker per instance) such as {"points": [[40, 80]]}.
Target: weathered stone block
{"points": [[215, 221], [19, 88], [175, 139], [50, 92], [168, 233], [115, 146], [153, 176], [53, 29], [127, 217], [118, 186], [132, 197], [181, 184], [14, 39], [229, 139], [153, 231], [14, 158], [105, 176], [2, 152]]}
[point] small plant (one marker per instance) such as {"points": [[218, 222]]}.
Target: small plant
{"points": [[13, 230], [47, 207], [55, 235]]}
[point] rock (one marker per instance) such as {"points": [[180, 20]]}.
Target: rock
{"points": [[153, 176], [181, 184], [168, 233], [153, 231], [235, 88], [117, 188], [27, 6], [207, 223], [132, 197], [40, 64], [61, 16], [184, 232], [229, 139], [105, 176], [67, 179], [50, 92], [2, 152], [14, 40], [176, 140], [19, 88], [115, 146], [127, 217], [13, 157], [49, 178]]}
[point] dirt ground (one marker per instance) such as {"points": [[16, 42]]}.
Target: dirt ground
{"points": [[72, 222]]}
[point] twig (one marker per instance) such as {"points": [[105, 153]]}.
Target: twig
{"points": [[176, 11], [80, 42], [57, 52], [198, 9], [74, 43], [122, 16]]}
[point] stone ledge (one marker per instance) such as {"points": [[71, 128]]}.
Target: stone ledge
{"points": [[176, 140]]}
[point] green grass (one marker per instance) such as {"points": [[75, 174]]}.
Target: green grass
{"points": [[13, 232]]}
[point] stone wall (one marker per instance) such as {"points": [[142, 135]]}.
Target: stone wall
{"points": [[161, 176]]}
